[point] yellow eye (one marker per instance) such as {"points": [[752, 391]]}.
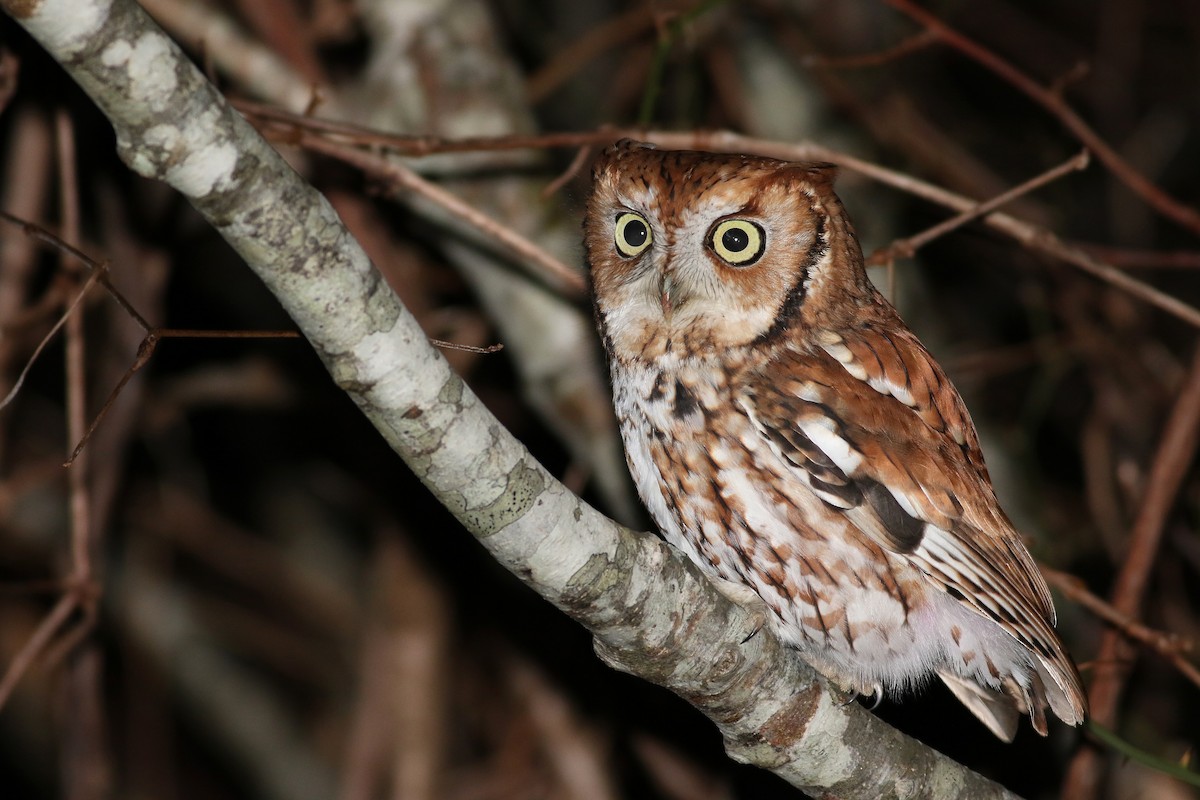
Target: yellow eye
{"points": [[738, 241], [633, 234]]}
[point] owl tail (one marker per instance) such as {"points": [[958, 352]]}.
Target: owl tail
{"points": [[994, 709], [1001, 709]]}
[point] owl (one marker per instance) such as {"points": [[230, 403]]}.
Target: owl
{"points": [[791, 435]]}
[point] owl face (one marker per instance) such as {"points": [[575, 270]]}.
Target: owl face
{"points": [[692, 250]]}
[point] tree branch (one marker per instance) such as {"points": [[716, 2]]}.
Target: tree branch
{"points": [[651, 611]]}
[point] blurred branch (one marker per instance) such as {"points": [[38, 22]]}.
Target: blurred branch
{"points": [[651, 611], [906, 248], [1170, 646], [566, 280], [662, 51], [1178, 771], [1176, 450], [255, 67], [258, 731], [1052, 101]]}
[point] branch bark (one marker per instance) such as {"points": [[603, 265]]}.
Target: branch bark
{"points": [[651, 611]]}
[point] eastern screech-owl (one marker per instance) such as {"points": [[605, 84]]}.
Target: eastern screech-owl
{"points": [[789, 433]]}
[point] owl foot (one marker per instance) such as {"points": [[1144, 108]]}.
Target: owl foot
{"points": [[876, 697], [746, 598]]}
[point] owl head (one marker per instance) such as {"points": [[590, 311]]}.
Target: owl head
{"points": [[692, 252]]}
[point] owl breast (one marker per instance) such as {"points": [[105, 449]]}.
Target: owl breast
{"points": [[719, 493]]}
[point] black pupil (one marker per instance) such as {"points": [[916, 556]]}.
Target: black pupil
{"points": [[735, 240], [636, 233]]}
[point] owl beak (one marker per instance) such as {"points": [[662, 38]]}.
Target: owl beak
{"points": [[665, 287]]}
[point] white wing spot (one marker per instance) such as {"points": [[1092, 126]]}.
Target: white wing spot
{"points": [[846, 359], [838, 449]]}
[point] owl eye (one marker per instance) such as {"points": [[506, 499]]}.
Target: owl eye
{"points": [[738, 241], [633, 234]]}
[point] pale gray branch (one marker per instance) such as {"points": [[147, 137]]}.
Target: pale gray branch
{"points": [[651, 611]]}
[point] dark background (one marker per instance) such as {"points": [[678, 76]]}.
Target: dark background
{"points": [[282, 609]]}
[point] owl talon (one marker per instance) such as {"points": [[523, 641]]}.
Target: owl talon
{"points": [[876, 697], [752, 634], [747, 599]]}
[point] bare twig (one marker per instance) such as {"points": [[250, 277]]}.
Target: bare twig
{"points": [[1177, 447], [62, 320], [1164, 203], [50, 625], [905, 248], [292, 125], [574, 56], [918, 41], [574, 168], [145, 351], [467, 348], [1170, 646], [549, 268], [40, 234], [1132, 258]]}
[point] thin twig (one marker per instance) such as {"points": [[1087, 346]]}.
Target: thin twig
{"points": [[918, 41], [40, 234], [145, 351], [75, 353], [550, 268], [574, 56], [1133, 258], [1176, 448], [574, 168], [28, 654], [466, 348], [1155, 197], [906, 248], [62, 320], [414, 146], [1169, 646]]}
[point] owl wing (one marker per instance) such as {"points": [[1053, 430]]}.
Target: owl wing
{"points": [[871, 424]]}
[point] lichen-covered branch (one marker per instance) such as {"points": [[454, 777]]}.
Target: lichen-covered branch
{"points": [[652, 613]]}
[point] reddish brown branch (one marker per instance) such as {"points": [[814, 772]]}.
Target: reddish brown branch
{"points": [[1176, 449], [918, 41], [1170, 646], [906, 248], [1133, 258], [37, 644], [609, 35], [1155, 197], [548, 267]]}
